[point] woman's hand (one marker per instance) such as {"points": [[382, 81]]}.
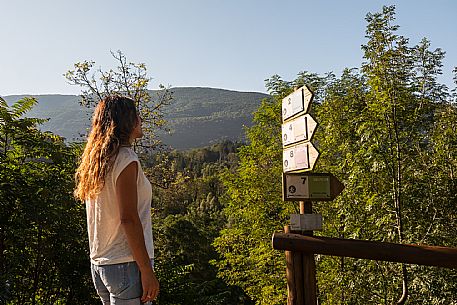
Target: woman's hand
{"points": [[150, 285]]}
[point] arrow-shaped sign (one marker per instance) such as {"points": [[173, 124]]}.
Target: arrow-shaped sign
{"points": [[296, 103], [313, 186], [298, 129], [299, 157]]}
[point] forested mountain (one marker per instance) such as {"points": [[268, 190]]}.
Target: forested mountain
{"points": [[196, 117]]}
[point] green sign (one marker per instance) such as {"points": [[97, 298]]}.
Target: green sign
{"points": [[311, 186], [319, 187]]}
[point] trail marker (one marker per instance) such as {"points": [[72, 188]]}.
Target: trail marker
{"points": [[298, 129], [310, 186], [299, 157], [296, 103]]}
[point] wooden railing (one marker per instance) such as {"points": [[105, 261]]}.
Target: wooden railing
{"points": [[382, 251], [300, 264]]}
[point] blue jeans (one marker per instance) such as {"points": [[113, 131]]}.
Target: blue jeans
{"points": [[118, 284]]}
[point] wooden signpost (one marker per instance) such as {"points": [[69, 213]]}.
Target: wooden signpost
{"points": [[299, 157]]}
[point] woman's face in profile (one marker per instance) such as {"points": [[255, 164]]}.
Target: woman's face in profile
{"points": [[137, 131]]}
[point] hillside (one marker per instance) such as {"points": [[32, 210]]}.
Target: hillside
{"points": [[197, 117]]}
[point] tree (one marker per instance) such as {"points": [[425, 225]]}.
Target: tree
{"points": [[377, 131], [42, 240], [129, 79]]}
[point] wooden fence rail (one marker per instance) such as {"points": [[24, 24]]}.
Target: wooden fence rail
{"points": [[409, 254]]}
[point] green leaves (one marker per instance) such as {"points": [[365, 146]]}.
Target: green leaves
{"points": [[187, 217]]}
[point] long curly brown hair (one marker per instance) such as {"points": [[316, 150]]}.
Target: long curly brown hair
{"points": [[114, 119]]}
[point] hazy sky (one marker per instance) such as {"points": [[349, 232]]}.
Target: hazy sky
{"points": [[231, 44]]}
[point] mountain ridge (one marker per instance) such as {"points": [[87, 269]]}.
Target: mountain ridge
{"points": [[197, 116]]}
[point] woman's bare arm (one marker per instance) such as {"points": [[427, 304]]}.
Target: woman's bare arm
{"points": [[126, 191]]}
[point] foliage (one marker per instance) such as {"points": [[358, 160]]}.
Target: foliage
{"points": [[42, 228], [187, 217], [388, 132]]}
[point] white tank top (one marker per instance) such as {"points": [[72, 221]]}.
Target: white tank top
{"points": [[107, 240]]}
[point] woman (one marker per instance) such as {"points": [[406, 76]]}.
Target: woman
{"points": [[118, 204]]}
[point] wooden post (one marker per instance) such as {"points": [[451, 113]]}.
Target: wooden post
{"points": [[291, 289], [299, 277], [309, 265], [309, 282], [301, 269], [295, 276]]}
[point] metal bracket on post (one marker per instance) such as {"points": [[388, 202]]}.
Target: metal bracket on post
{"points": [[305, 222]]}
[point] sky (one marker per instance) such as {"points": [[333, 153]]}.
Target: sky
{"points": [[230, 44]]}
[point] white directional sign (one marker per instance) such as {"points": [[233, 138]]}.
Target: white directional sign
{"points": [[299, 157], [298, 129], [296, 103], [305, 222]]}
